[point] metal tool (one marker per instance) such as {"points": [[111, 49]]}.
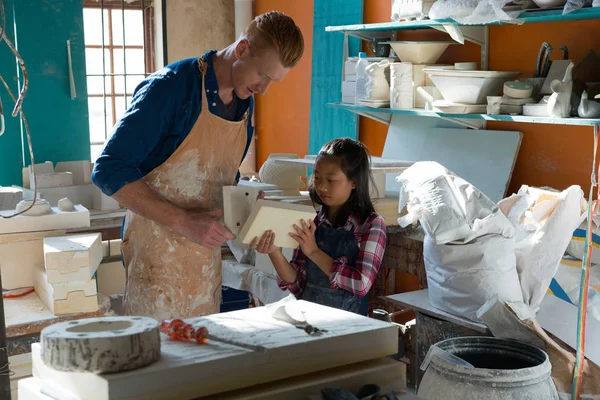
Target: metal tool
{"points": [[280, 314], [565, 52], [542, 65]]}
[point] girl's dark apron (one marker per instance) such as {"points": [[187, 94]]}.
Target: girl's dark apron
{"points": [[335, 243]]}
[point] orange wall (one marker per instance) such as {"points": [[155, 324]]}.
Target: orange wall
{"points": [[556, 156], [282, 114]]}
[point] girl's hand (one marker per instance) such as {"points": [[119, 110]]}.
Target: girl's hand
{"points": [[305, 236], [265, 244]]}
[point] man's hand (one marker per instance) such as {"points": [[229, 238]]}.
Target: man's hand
{"points": [[203, 228]]}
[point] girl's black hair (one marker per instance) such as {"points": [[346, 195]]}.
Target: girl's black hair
{"points": [[355, 163]]}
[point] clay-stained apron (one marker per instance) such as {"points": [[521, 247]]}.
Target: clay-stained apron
{"points": [[167, 275]]}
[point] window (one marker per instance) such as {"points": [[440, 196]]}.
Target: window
{"points": [[119, 55]]}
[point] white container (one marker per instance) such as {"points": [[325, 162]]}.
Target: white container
{"points": [[361, 77], [425, 96], [471, 66], [418, 9], [401, 86], [518, 90], [469, 87], [378, 86], [419, 52]]}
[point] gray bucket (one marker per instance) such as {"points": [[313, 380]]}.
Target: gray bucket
{"points": [[488, 368]]}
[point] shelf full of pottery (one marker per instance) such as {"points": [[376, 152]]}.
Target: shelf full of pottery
{"points": [[412, 82]]}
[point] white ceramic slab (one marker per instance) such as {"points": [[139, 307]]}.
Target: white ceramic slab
{"points": [[80, 218]]}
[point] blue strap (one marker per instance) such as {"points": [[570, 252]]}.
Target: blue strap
{"points": [[558, 291]]}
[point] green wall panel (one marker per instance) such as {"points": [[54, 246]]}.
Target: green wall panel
{"points": [[11, 156], [328, 123], [59, 125]]}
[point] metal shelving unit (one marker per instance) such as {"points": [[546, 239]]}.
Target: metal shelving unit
{"points": [[478, 34], [385, 115]]}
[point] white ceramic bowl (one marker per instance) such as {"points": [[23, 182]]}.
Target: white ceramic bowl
{"points": [[419, 52], [549, 3], [469, 87]]}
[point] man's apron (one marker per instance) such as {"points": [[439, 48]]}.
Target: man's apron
{"points": [[169, 276]]}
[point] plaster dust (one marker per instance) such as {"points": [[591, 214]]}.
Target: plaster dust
{"points": [[179, 277], [177, 173]]}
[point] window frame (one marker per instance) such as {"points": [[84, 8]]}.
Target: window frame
{"points": [[109, 88]]}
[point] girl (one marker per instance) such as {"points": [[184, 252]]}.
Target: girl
{"points": [[340, 252]]}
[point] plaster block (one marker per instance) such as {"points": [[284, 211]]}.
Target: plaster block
{"points": [[81, 170], [79, 194], [103, 202], [65, 298], [42, 168], [30, 389], [51, 180], [237, 206], [27, 193], [19, 254], [111, 247], [82, 274], [77, 254], [74, 301], [57, 219], [61, 290], [209, 368], [10, 197], [111, 278], [278, 217]]}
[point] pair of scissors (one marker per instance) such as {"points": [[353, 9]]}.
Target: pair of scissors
{"points": [[542, 65]]}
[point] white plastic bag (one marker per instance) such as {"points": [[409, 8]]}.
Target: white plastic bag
{"points": [[463, 277], [545, 222], [469, 249], [472, 12], [449, 208], [576, 246]]}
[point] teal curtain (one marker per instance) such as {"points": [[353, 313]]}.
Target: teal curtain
{"points": [[327, 62]]}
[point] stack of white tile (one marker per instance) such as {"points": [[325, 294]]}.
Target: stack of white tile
{"points": [[67, 284]]}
